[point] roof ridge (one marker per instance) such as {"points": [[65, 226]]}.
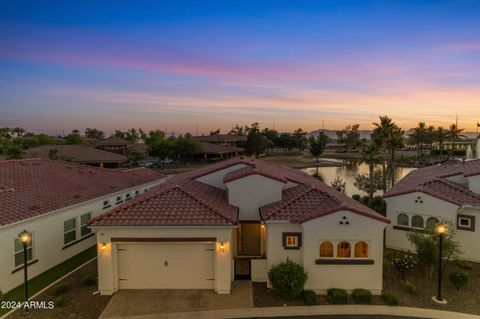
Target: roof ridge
{"points": [[457, 187], [284, 204]]}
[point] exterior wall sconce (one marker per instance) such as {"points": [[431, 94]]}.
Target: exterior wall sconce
{"points": [[222, 247], [104, 246], [262, 226]]}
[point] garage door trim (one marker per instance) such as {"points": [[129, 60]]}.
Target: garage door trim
{"points": [[163, 239]]}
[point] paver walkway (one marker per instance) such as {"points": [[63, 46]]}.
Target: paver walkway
{"points": [[127, 303]]}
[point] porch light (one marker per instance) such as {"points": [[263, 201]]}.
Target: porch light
{"points": [[222, 247], [263, 226], [104, 246]]}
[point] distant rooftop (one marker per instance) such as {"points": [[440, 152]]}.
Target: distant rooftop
{"points": [[76, 153]]}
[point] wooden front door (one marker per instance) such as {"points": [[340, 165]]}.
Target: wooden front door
{"points": [[250, 239]]}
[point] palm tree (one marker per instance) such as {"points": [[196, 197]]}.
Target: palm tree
{"points": [[371, 156], [395, 142], [441, 135], [453, 134], [382, 133], [418, 136]]}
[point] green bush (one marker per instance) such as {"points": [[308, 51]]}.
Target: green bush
{"points": [[60, 301], [337, 296], [463, 264], [356, 197], [404, 262], [362, 296], [379, 205], [89, 280], [459, 279], [288, 279], [310, 297], [390, 298], [410, 288], [60, 289]]}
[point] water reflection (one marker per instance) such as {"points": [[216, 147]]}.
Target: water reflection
{"points": [[350, 170]]}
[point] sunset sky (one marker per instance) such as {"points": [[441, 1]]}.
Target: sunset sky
{"points": [[211, 64]]}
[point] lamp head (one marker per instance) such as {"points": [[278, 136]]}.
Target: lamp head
{"points": [[25, 237], [441, 229]]}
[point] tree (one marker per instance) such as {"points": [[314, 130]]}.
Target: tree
{"points": [[395, 142], [14, 152], [427, 243], [317, 144], [73, 138], [186, 146], [256, 142], [118, 134], [286, 141], [300, 139], [381, 134], [153, 137], [53, 154], [441, 135], [454, 134], [349, 136], [271, 135], [339, 184], [369, 183], [216, 132], [18, 131], [237, 130], [163, 148], [94, 133], [132, 135]]}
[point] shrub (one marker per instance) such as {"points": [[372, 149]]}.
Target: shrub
{"points": [[60, 289], [60, 301], [379, 205], [459, 279], [404, 262], [337, 296], [1, 295], [387, 269], [362, 296], [390, 298], [410, 288], [356, 197], [288, 279], [310, 297], [89, 280], [463, 264]]}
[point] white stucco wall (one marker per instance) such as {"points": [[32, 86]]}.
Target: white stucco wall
{"points": [[216, 178], [323, 277], [434, 207], [252, 192], [108, 260], [48, 241]]}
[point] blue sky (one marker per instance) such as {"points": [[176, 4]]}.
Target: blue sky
{"points": [[211, 64]]}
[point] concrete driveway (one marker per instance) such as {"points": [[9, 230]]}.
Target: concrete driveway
{"points": [[127, 303]]}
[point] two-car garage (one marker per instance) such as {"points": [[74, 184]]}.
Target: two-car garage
{"points": [[166, 265]]}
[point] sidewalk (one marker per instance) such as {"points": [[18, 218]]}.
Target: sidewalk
{"points": [[311, 310]]}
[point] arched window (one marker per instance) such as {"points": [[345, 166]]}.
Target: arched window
{"points": [[402, 219], [417, 221], [432, 222], [344, 250], [361, 249], [326, 249]]}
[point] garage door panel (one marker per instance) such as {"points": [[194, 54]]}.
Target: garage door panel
{"points": [[166, 265]]}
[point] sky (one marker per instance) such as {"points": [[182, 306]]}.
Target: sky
{"points": [[195, 66]]}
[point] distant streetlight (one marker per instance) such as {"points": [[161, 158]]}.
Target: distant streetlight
{"points": [[25, 238], [441, 230]]}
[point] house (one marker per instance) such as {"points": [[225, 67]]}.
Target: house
{"points": [[213, 151], [78, 154], [433, 194], [223, 139], [114, 145], [54, 200], [235, 219]]}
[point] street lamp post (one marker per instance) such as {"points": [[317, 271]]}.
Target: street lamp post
{"points": [[25, 238], [441, 230]]}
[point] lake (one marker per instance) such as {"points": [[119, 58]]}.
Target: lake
{"points": [[348, 170]]}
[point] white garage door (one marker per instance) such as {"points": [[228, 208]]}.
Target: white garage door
{"points": [[165, 265]]}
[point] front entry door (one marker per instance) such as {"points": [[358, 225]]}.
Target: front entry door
{"points": [[250, 235]]}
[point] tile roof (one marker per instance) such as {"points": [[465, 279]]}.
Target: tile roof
{"points": [[33, 187], [221, 138], [249, 170], [211, 148], [183, 200], [429, 179], [188, 204], [113, 141], [77, 154]]}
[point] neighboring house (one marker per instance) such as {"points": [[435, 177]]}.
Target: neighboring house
{"points": [[433, 194], [234, 220], [54, 200], [114, 145], [78, 154], [213, 151], [223, 139]]}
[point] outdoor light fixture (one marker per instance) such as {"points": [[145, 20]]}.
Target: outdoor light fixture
{"points": [[222, 247], [263, 226], [25, 238], [104, 246], [441, 230]]}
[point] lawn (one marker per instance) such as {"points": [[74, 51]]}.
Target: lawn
{"points": [[44, 279]]}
